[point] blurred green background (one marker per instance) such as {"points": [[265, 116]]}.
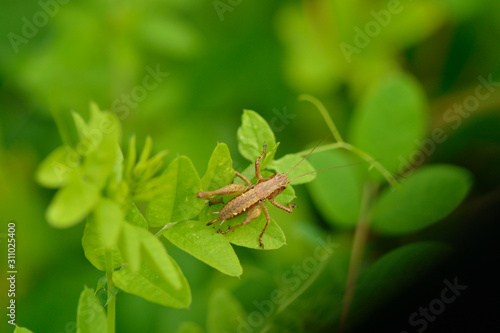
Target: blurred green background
{"points": [[222, 57]]}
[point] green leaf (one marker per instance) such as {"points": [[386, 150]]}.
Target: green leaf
{"points": [[151, 285], [252, 134], [249, 173], [130, 247], [288, 195], [337, 193], [72, 203], [179, 202], [146, 151], [203, 243], [134, 216], [287, 162], [57, 169], [248, 235], [82, 182], [156, 255], [19, 329], [94, 249], [220, 170], [100, 146], [424, 198], [391, 274], [101, 283], [129, 161], [90, 315], [269, 156], [80, 124], [138, 245], [224, 312], [147, 167], [390, 118], [109, 218], [189, 327]]}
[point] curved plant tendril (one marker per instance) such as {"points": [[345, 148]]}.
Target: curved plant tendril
{"points": [[341, 144]]}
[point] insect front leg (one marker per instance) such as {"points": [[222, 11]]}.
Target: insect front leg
{"points": [[287, 208], [257, 163], [213, 221]]}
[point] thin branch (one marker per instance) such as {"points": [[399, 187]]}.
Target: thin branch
{"points": [[358, 249], [341, 144], [321, 108], [111, 311]]}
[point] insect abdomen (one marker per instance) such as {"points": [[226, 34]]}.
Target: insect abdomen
{"points": [[239, 205]]}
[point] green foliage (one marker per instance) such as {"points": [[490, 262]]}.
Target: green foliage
{"points": [[178, 201], [389, 120], [223, 312], [203, 243], [106, 186], [90, 315], [93, 247], [274, 238], [81, 171], [148, 285], [178, 73], [55, 171], [22, 330], [248, 236], [424, 198], [404, 265], [72, 203], [220, 169], [189, 327], [337, 193], [287, 162], [253, 133]]}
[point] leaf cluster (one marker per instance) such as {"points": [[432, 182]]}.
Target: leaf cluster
{"points": [[105, 186], [99, 183]]}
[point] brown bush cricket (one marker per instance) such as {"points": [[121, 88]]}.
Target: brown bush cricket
{"points": [[251, 199]]}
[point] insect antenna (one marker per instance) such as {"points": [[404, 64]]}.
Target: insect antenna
{"points": [[309, 153], [335, 167]]}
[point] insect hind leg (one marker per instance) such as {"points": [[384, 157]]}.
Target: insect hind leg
{"points": [[252, 215], [226, 190]]}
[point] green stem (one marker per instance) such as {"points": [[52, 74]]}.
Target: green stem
{"points": [[111, 313], [326, 147], [341, 144], [166, 226], [367, 157], [321, 108], [358, 248]]}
